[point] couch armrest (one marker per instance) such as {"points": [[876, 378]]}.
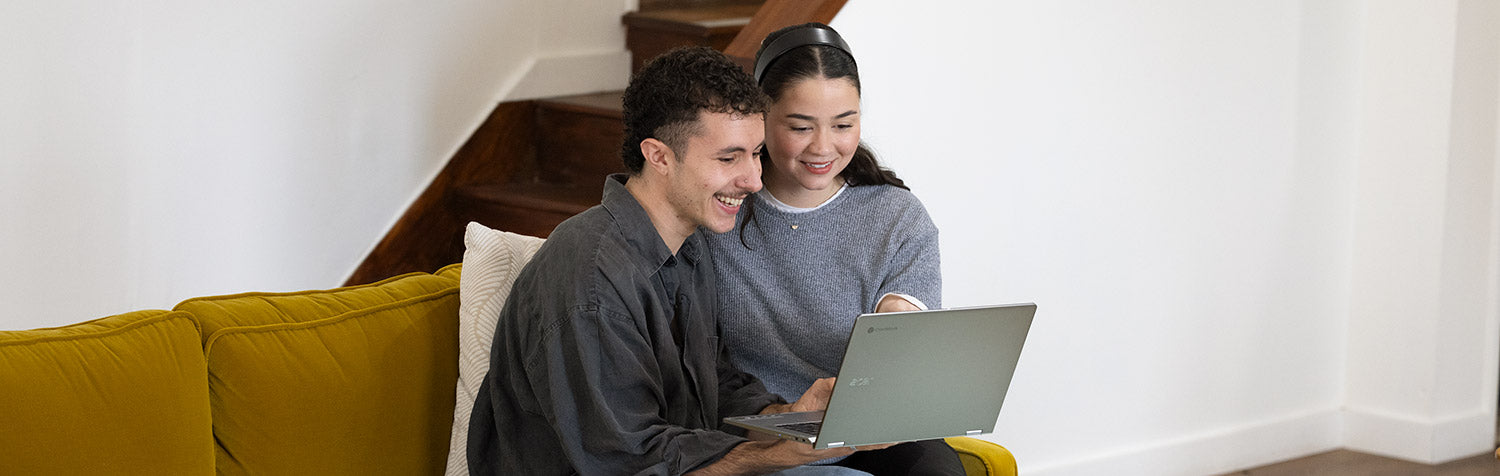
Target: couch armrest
{"points": [[982, 458]]}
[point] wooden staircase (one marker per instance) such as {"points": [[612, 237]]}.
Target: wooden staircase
{"points": [[577, 143], [533, 164]]}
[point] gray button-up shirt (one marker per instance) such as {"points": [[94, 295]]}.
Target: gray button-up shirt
{"points": [[607, 357]]}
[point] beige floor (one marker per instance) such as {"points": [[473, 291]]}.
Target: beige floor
{"points": [[1350, 463]]}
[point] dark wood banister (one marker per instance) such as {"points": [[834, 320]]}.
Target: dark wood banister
{"points": [[775, 15]]}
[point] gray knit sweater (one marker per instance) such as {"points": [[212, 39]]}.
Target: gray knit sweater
{"points": [[787, 302]]}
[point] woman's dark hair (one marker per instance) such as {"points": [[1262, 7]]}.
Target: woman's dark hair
{"points": [[815, 61]]}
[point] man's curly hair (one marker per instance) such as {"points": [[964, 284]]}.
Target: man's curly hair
{"points": [[665, 97]]}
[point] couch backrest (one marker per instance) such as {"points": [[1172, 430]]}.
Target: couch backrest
{"points": [[121, 395], [355, 380], [260, 308]]}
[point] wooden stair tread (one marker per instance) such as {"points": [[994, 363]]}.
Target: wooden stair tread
{"points": [[556, 198], [706, 19], [651, 32], [606, 104]]}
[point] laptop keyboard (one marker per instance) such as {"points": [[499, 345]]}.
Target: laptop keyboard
{"points": [[810, 428]]}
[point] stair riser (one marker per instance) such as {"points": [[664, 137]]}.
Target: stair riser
{"points": [[647, 44], [526, 221], [577, 148]]}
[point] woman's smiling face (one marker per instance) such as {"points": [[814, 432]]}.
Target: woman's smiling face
{"points": [[812, 132]]}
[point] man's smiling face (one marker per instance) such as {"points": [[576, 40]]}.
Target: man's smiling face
{"points": [[717, 168]]}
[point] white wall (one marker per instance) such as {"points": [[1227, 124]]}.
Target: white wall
{"points": [[154, 151], [1422, 361], [1207, 200]]}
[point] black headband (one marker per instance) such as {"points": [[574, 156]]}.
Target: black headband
{"points": [[795, 39]]}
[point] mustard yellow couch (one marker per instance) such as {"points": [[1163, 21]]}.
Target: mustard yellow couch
{"points": [[357, 380]]}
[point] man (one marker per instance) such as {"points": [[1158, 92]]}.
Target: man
{"points": [[606, 359]]}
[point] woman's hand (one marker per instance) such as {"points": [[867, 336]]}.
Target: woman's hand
{"points": [[894, 303]]}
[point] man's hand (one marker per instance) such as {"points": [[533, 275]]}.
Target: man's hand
{"points": [[760, 457], [814, 399]]}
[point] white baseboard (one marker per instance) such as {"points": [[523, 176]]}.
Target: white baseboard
{"points": [[1219, 452], [1211, 453], [573, 73], [1429, 442]]}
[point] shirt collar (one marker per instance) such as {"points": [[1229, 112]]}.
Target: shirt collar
{"points": [[636, 226], [765, 194]]}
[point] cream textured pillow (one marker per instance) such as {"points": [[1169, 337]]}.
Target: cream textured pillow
{"points": [[492, 259]]}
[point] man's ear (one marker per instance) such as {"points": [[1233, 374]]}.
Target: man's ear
{"points": [[657, 155]]}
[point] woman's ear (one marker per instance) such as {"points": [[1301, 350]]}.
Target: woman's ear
{"points": [[657, 155]]}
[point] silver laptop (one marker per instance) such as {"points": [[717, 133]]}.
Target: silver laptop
{"points": [[910, 376]]}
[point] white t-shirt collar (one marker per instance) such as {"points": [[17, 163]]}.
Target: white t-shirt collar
{"points": [[766, 194]]}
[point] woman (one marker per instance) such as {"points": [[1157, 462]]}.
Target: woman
{"points": [[832, 235]]}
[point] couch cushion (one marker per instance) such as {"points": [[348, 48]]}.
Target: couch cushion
{"points": [[492, 258], [253, 309], [453, 271], [364, 392], [126, 394]]}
